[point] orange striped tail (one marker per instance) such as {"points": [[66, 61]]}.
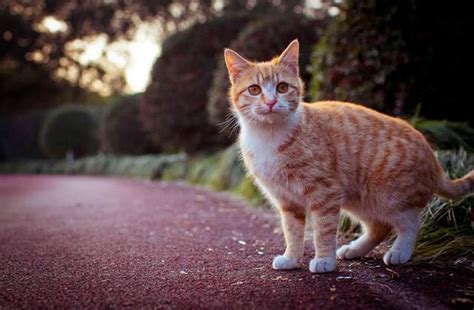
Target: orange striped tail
{"points": [[456, 189]]}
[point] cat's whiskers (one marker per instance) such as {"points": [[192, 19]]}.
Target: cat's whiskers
{"points": [[229, 125]]}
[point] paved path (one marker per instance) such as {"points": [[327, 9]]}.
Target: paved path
{"points": [[106, 242]]}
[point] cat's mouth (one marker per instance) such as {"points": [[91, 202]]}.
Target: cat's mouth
{"points": [[268, 116], [268, 111]]}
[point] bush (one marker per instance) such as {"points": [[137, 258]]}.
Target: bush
{"points": [[447, 135], [69, 129], [122, 133], [220, 171], [392, 56], [173, 108], [19, 135], [261, 41]]}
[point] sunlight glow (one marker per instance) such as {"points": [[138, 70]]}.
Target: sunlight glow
{"points": [[51, 24], [93, 48], [314, 4], [132, 59], [143, 51]]}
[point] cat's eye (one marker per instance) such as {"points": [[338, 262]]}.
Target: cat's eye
{"points": [[254, 90], [282, 87]]}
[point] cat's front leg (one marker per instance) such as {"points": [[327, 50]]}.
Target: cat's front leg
{"points": [[325, 221], [293, 218]]}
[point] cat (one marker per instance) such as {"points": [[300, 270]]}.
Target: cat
{"points": [[324, 157]]}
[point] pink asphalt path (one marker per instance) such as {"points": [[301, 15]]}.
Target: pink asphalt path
{"points": [[90, 242]]}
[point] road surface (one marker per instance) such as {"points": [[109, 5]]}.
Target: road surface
{"points": [[90, 242]]}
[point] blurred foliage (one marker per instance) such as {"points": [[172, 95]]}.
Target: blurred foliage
{"points": [[121, 131], [392, 56], [24, 83], [145, 166], [35, 60], [30, 56], [19, 135], [174, 104], [444, 134], [69, 129], [261, 40], [447, 135]]}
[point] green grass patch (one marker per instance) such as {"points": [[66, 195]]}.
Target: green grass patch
{"points": [[145, 166]]}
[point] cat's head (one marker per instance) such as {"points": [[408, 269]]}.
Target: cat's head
{"points": [[265, 92]]}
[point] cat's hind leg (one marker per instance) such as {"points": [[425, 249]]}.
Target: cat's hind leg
{"points": [[293, 220], [406, 226], [374, 233]]}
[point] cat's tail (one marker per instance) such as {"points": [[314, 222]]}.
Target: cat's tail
{"points": [[456, 189]]}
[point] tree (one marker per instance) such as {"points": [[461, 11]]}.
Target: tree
{"points": [[393, 56], [37, 67]]}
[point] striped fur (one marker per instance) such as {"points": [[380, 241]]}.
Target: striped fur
{"points": [[324, 157]]}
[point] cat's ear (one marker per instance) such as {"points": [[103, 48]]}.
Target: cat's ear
{"points": [[290, 56], [235, 63]]}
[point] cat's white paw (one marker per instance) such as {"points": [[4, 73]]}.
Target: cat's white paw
{"points": [[282, 262], [396, 257], [348, 251], [320, 264]]}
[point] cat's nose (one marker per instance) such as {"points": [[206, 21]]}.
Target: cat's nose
{"points": [[271, 103]]}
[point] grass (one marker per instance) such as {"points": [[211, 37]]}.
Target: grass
{"points": [[222, 171], [446, 234], [447, 230], [129, 166]]}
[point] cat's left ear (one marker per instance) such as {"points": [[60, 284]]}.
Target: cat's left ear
{"points": [[235, 63], [290, 56]]}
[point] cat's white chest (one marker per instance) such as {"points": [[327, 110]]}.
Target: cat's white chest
{"points": [[261, 156], [263, 159], [266, 164]]}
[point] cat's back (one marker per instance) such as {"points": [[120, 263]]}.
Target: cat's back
{"points": [[353, 115], [372, 147], [347, 120]]}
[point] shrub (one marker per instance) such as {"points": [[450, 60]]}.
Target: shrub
{"points": [[122, 133], [69, 128], [174, 105], [19, 135], [392, 56], [261, 41], [447, 135]]}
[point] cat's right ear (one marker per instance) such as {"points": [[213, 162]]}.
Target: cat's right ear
{"points": [[235, 63]]}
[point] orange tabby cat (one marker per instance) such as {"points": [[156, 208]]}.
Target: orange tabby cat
{"points": [[323, 157]]}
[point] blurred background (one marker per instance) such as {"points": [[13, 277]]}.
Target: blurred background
{"points": [[125, 77], [138, 88]]}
